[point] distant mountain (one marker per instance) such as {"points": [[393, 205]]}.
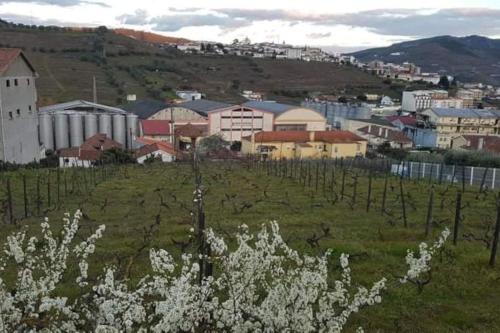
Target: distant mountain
{"points": [[471, 58], [150, 37]]}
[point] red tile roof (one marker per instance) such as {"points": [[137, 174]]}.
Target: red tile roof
{"points": [[305, 136], [405, 120], [282, 136], [100, 142], [154, 147], [192, 131], [8, 55], [490, 143], [165, 146], [81, 154], [337, 137], [155, 127]]}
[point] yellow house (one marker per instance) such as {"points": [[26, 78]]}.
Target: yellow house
{"points": [[304, 144]]}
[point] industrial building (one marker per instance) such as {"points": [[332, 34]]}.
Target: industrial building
{"points": [[18, 121], [335, 112], [69, 124]]}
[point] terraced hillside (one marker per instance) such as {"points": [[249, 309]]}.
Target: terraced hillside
{"points": [[66, 61]]}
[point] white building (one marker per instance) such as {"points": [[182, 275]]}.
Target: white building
{"points": [[448, 103], [188, 95], [386, 101], [161, 151], [18, 114], [419, 100], [293, 53]]}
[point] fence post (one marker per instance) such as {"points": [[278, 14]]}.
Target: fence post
{"points": [[343, 185], [384, 195], [48, 190], [38, 199], [428, 222], [403, 203], [458, 208], [9, 202], [471, 175], [496, 235], [493, 178], [25, 196], [369, 199]]}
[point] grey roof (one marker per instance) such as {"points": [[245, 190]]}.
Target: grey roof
{"points": [[270, 106], [145, 109], [80, 105], [464, 113], [374, 121], [203, 106]]}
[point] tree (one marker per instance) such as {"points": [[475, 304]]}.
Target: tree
{"points": [[444, 83], [263, 283], [211, 144]]}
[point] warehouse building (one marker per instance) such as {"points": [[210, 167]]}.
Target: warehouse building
{"points": [[236, 121], [18, 121]]}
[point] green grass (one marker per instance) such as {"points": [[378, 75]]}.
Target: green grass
{"points": [[463, 295]]}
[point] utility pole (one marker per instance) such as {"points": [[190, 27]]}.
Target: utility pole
{"points": [[94, 90]]}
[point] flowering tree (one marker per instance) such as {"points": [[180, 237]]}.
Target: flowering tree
{"points": [[261, 286]]}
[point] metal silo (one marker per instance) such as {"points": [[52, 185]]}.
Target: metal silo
{"points": [[119, 130], [132, 121], [75, 129], [105, 125], [90, 125], [46, 130], [61, 126]]}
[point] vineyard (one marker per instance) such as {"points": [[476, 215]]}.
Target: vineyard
{"points": [[358, 209]]}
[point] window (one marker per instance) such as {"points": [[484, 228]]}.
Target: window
{"points": [[28, 82], [11, 116], [16, 83], [29, 108], [7, 83], [358, 146], [18, 112]]}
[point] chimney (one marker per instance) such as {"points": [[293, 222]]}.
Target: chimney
{"points": [[311, 136], [480, 144]]}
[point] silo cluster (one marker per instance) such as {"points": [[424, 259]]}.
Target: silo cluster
{"points": [[66, 128], [336, 112]]}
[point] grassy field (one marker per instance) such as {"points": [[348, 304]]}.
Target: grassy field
{"points": [[150, 206]]}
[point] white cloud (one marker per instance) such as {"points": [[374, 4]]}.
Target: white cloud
{"points": [[320, 22]]}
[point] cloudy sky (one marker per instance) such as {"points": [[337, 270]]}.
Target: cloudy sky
{"points": [[341, 25]]}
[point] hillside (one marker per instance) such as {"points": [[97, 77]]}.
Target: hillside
{"points": [[67, 59], [472, 58], [150, 37]]}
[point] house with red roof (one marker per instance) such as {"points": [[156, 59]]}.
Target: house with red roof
{"points": [[149, 148], [304, 144], [88, 153], [18, 115]]}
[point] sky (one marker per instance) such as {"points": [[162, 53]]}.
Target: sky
{"points": [[332, 24]]}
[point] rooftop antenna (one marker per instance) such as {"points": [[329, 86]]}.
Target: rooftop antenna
{"points": [[94, 90]]}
